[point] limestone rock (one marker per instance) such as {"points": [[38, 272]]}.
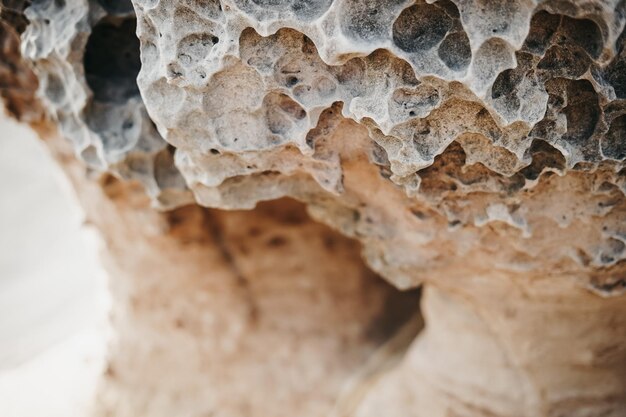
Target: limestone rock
{"points": [[480, 124], [473, 147], [86, 57]]}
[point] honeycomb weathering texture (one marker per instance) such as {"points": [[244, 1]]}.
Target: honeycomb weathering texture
{"points": [[475, 147], [476, 128], [86, 56]]}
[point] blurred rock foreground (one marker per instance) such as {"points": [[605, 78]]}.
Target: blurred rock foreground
{"points": [[53, 298]]}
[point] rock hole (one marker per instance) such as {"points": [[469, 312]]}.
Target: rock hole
{"points": [[455, 51], [584, 33], [117, 7], [582, 111], [112, 60], [615, 72], [542, 27], [566, 61], [614, 142], [543, 156], [420, 27]]}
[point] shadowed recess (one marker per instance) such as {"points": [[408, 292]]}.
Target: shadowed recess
{"points": [[112, 60]]}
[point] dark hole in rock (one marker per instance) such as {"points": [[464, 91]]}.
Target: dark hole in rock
{"points": [[420, 27], [614, 142], [616, 71], [117, 7], [505, 83], [542, 27], [616, 76], [449, 7], [569, 61], [449, 163], [582, 111], [455, 51], [401, 312], [584, 33], [544, 156], [112, 60]]}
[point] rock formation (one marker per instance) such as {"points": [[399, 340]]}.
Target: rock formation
{"points": [[472, 148]]}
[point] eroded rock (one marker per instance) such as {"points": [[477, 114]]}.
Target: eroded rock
{"points": [[475, 147]]}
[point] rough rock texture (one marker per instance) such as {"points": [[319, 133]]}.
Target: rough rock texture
{"points": [[473, 147], [465, 117]]}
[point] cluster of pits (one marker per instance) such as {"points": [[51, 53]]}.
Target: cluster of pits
{"points": [[92, 91], [468, 108]]}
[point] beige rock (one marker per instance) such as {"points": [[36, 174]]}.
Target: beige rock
{"points": [[474, 148]]}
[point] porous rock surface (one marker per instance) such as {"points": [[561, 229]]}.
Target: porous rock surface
{"points": [[484, 122], [476, 147]]}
